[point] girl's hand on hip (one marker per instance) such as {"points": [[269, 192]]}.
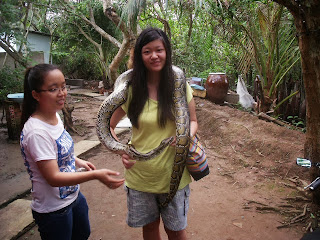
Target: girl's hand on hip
{"points": [[127, 161]]}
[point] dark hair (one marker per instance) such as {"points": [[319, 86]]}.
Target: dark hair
{"points": [[33, 80], [139, 80]]}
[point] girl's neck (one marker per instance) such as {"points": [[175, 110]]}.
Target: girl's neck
{"points": [[47, 117], [153, 78], [153, 85]]}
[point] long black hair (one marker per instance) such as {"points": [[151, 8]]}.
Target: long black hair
{"points": [[139, 80], [33, 80]]}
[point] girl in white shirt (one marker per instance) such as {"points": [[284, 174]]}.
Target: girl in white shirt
{"points": [[58, 207]]}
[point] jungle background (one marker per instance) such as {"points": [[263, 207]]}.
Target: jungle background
{"points": [[92, 40]]}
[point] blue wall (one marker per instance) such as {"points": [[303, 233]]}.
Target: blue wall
{"points": [[39, 43]]}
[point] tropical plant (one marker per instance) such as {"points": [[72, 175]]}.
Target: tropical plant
{"points": [[264, 32], [307, 22]]}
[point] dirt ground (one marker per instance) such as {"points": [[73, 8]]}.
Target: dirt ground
{"points": [[252, 191]]}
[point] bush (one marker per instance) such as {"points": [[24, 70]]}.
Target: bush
{"points": [[78, 64], [11, 81]]}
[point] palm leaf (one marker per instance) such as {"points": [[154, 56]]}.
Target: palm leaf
{"points": [[131, 10], [284, 100]]}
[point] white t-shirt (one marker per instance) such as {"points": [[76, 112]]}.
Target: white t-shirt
{"points": [[40, 141]]}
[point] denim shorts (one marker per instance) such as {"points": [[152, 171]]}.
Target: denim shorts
{"points": [[143, 208], [71, 222]]}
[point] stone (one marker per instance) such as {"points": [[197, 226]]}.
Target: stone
{"points": [[15, 218]]}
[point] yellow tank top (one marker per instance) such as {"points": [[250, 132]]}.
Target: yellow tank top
{"points": [[153, 175]]}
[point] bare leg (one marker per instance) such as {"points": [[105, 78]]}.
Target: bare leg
{"points": [[176, 235], [151, 231]]}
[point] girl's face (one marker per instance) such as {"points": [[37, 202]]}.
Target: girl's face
{"points": [[154, 55], [52, 95]]}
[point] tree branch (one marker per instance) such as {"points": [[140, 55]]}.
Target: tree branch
{"points": [[13, 53], [104, 34], [97, 45]]}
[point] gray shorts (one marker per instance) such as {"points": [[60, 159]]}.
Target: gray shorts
{"points": [[143, 208]]}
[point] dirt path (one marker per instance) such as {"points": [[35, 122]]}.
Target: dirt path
{"points": [[246, 196]]}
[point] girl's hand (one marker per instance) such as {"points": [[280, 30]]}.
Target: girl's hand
{"points": [[84, 164], [173, 144], [105, 176], [127, 161]]}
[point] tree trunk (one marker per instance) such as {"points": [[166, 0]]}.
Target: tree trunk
{"points": [[109, 12], [128, 41], [114, 65], [307, 22], [68, 123]]}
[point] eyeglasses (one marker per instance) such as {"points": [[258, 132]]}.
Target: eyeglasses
{"points": [[54, 90]]}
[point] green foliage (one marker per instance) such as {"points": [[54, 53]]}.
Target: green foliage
{"points": [[296, 121], [199, 53], [12, 17], [205, 35], [11, 13], [265, 34], [77, 64], [11, 81], [78, 57]]}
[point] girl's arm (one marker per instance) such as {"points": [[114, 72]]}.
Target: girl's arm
{"points": [[50, 171], [118, 114], [193, 118]]}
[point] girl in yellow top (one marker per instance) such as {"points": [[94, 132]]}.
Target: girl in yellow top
{"points": [[150, 109]]}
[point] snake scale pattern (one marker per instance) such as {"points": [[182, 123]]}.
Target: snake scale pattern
{"points": [[182, 119]]}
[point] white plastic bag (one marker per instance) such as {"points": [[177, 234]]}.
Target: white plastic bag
{"points": [[245, 99]]}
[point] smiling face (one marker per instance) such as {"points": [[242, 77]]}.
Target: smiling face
{"points": [[154, 55], [52, 95]]}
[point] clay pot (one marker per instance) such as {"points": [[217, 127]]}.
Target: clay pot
{"points": [[217, 87]]}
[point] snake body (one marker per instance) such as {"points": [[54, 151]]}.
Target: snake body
{"points": [[181, 110]]}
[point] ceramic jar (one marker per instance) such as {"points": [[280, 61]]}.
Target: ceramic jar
{"points": [[217, 87]]}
